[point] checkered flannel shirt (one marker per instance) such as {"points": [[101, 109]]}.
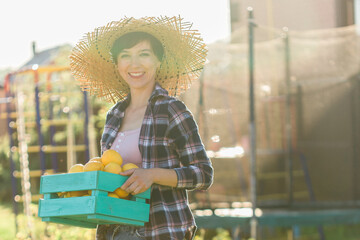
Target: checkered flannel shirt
{"points": [[168, 139]]}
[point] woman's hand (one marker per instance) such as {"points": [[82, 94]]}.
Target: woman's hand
{"points": [[139, 181]]}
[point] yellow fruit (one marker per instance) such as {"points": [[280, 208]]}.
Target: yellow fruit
{"points": [[67, 195], [111, 194], [111, 156], [121, 193], [90, 192], [93, 166], [112, 167], [128, 166], [61, 194], [77, 193], [95, 159], [76, 168], [128, 197]]}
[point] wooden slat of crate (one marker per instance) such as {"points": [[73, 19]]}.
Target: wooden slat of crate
{"points": [[66, 206], [84, 181], [87, 211], [72, 222], [68, 182], [110, 220], [122, 208], [91, 209]]}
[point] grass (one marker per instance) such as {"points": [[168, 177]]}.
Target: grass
{"points": [[52, 231], [7, 223], [40, 230]]}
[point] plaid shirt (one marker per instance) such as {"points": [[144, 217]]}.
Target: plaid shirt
{"points": [[168, 139]]}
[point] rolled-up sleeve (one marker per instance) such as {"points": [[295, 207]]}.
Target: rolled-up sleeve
{"points": [[195, 171]]}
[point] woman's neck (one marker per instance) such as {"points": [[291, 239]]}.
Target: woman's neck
{"points": [[140, 97]]}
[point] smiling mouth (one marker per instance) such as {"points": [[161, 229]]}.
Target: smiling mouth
{"points": [[136, 74]]}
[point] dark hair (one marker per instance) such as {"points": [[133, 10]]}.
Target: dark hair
{"points": [[131, 39]]}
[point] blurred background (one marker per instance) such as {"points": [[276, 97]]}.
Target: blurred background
{"points": [[304, 59]]}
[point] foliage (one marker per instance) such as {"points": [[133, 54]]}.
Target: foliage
{"points": [[222, 235], [41, 230], [331, 232], [7, 223], [213, 234]]}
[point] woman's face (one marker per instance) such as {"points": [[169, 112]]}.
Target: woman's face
{"points": [[138, 65]]}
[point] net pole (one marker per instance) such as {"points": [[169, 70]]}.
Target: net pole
{"points": [[252, 125], [288, 128], [38, 119], [54, 161]]}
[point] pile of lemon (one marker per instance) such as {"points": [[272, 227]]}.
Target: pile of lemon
{"points": [[111, 161]]}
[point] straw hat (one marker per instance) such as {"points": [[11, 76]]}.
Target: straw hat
{"points": [[184, 56]]}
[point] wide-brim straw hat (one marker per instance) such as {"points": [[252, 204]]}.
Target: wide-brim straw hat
{"points": [[92, 65]]}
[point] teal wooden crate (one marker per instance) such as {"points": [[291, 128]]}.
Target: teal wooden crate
{"points": [[88, 211]]}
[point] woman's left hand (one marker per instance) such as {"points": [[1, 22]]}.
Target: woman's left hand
{"points": [[139, 181]]}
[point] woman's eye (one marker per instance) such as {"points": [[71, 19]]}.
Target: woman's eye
{"points": [[144, 54], [122, 56]]}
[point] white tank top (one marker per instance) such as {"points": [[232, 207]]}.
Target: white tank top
{"points": [[126, 144]]}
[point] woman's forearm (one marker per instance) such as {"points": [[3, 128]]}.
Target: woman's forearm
{"points": [[165, 177], [141, 179]]}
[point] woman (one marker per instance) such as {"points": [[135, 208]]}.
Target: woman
{"points": [[140, 61]]}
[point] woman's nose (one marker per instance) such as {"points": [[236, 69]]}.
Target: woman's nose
{"points": [[134, 61]]}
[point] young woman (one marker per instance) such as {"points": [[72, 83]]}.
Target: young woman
{"points": [[149, 57]]}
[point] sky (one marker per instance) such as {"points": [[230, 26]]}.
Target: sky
{"points": [[52, 23]]}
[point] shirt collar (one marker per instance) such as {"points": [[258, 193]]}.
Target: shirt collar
{"points": [[157, 92]]}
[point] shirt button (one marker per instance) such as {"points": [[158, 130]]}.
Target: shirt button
{"points": [[122, 134]]}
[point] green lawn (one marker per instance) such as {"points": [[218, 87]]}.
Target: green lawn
{"points": [[7, 223], [41, 230], [52, 231]]}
